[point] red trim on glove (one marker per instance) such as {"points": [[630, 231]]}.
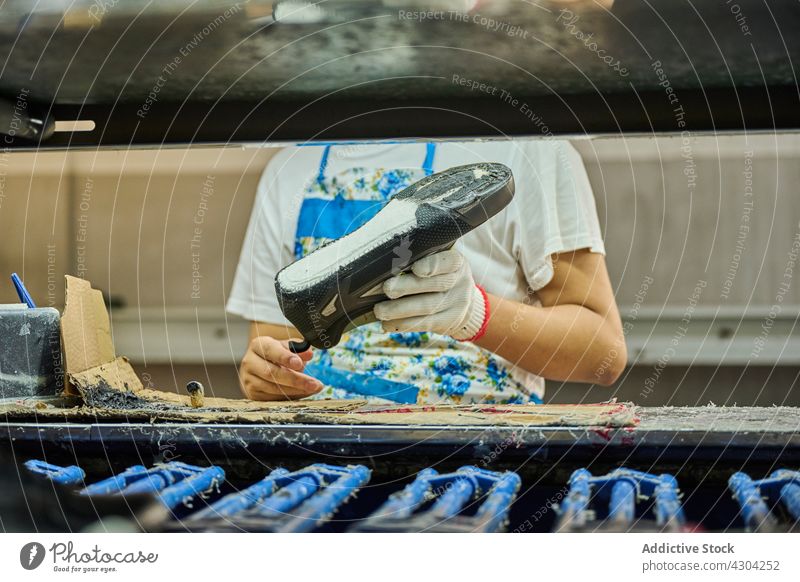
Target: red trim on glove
{"points": [[485, 324]]}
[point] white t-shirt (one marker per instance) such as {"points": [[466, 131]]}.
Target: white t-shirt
{"points": [[553, 211]]}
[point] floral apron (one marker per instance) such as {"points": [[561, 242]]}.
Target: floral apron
{"points": [[411, 368]]}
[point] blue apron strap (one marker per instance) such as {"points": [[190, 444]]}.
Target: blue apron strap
{"points": [[430, 152], [323, 164]]}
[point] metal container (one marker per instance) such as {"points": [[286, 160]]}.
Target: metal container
{"points": [[30, 352]]}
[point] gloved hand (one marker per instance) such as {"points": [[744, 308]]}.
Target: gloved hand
{"points": [[439, 295]]}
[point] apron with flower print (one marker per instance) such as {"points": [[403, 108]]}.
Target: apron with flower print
{"points": [[411, 368]]}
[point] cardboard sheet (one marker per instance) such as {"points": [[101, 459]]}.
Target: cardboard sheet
{"points": [[85, 329]]}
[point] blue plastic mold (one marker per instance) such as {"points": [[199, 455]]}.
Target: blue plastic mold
{"points": [[470, 499], [755, 498], [620, 493], [299, 501]]}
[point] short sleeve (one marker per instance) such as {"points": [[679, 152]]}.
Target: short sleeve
{"points": [[555, 207], [267, 247]]}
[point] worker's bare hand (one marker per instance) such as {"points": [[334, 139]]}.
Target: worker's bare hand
{"points": [[270, 371]]}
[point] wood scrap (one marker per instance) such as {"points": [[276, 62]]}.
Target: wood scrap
{"points": [[196, 394]]}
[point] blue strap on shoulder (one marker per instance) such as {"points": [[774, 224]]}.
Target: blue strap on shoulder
{"points": [[430, 153], [323, 164]]}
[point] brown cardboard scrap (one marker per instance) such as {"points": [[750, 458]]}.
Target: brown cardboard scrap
{"points": [[85, 329]]}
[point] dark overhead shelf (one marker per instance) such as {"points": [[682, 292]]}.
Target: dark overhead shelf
{"points": [[210, 72]]}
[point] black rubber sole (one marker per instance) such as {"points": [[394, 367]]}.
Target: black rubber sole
{"points": [[334, 288]]}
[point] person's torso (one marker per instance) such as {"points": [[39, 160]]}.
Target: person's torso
{"points": [[345, 188]]}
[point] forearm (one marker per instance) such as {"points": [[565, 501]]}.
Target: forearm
{"points": [[563, 342]]}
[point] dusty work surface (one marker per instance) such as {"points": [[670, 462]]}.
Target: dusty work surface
{"points": [[242, 81], [714, 435], [721, 418]]}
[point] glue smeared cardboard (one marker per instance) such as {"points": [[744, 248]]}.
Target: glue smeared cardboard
{"points": [[109, 386], [89, 357]]}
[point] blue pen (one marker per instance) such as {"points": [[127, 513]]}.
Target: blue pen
{"points": [[24, 296]]}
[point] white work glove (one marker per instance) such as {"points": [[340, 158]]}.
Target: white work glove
{"points": [[438, 295]]}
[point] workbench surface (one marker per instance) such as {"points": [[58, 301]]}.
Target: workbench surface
{"points": [[736, 432]]}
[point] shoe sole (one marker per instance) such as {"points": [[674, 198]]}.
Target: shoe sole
{"points": [[334, 288]]}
